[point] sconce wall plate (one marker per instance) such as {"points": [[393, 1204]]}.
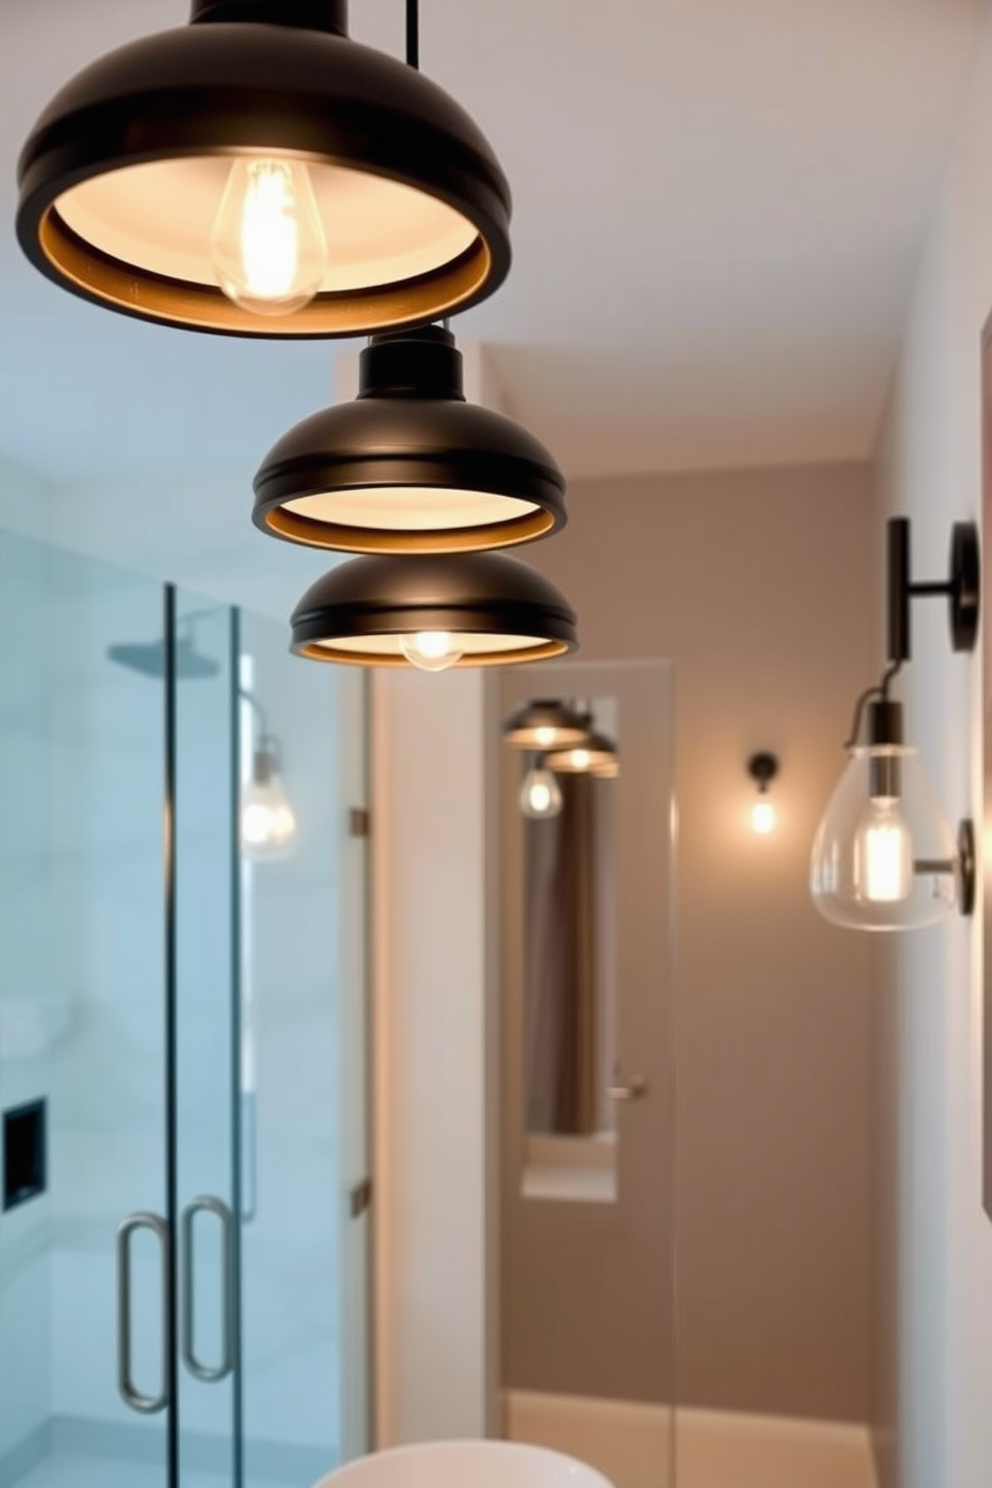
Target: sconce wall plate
{"points": [[962, 588], [122, 178], [409, 466]]}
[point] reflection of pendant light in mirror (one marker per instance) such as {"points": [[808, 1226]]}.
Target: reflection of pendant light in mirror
{"points": [[540, 794], [762, 768], [433, 612], [409, 466], [595, 753], [258, 173], [268, 822], [542, 725], [885, 856]]}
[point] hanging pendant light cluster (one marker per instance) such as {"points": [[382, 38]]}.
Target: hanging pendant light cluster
{"points": [[257, 173], [561, 739]]}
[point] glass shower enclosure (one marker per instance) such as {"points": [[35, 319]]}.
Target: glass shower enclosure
{"points": [[183, 1241]]}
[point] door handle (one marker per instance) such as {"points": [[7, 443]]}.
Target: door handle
{"points": [[210, 1374], [636, 1088], [145, 1405]]}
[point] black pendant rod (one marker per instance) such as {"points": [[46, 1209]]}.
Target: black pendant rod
{"points": [[413, 33]]}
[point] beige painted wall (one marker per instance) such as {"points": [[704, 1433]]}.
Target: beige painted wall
{"points": [[758, 587]]}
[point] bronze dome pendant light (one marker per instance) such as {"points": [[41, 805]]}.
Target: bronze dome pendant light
{"points": [[409, 466], [257, 173], [419, 481], [433, 612]]}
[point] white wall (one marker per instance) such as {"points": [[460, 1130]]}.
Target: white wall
{"points": [[930, 467], [434, 1053]]}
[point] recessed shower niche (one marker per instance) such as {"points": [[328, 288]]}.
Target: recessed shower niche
{"points": [[24, 1154]]}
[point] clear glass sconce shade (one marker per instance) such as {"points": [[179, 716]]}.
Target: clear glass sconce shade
{"points": [[884, 856], [540, 794], [268, 822]]}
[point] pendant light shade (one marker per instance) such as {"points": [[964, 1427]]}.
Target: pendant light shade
{"points": [[257, 173], [541, 725], [409, 466], [481, 609], [595, 754]]}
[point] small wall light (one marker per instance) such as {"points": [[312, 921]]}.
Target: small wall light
{"points": [[762, 768], [884, 856]]}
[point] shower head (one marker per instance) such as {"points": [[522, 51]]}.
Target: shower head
{"points": [[149, 659]]}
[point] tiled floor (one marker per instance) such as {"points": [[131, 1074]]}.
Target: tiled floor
{"points": [[64, 1471]]}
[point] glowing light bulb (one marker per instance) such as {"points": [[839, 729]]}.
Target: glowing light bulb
{"points": [[883, 853], [430, 650], [581, 759], [268, 824], [763, 817], [540, 794], [544, 736], [268, 246]]}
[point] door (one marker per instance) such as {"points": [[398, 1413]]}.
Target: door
{"points": [[183, 1229], [85, 1253], [201, 865]]}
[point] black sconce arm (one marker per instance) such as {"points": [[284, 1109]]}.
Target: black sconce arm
{"points": [[961, 588]]}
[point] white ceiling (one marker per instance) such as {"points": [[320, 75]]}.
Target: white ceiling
{"points": [[719, 206]]}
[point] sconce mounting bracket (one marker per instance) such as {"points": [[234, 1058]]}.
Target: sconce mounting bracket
{"points": [[966, 866], [762, 767], [961, 588]]}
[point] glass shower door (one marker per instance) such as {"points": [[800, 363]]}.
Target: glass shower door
{"points": [[304, 1193], [85, 1280], [202, 968]]}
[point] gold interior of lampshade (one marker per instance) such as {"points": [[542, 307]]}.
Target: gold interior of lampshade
{"points": [[477, 649], [139, 237], [159, 218]]}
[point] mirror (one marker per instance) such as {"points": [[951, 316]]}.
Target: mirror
{"points": [[565, 872], [584, 936]]}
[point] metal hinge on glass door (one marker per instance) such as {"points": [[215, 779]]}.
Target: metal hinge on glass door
{"points": [[359, 822], [360, 1198]]}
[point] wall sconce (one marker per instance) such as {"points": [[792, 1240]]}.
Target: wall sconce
{"points": [[884, 856], [762, 768]]}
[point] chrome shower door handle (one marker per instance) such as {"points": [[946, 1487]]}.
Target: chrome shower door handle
{"points": [[209, 1374], [145, 1405]]}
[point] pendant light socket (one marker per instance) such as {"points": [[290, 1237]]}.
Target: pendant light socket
{"points": [[124, 179], [409, 466], [313, 15]]}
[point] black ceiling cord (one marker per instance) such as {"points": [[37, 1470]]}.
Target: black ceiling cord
{"points": [[413, 34]]}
